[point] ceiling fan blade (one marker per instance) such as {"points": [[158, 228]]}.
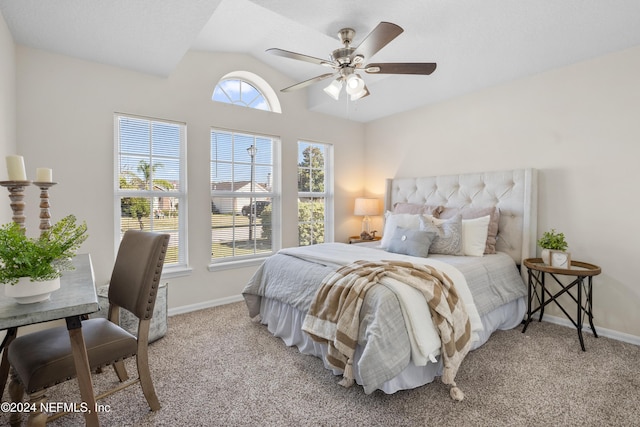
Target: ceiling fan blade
{"points": [[378, 38], [425, 68], [299, 56], [307, 82]]}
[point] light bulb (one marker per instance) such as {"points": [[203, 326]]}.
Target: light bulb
{"points": [[355, 84]]}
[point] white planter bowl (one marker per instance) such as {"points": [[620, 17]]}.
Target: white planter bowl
{"points": [[27, 292], [558, 259]]}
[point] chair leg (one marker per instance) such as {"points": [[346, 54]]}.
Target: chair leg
{"points": [[142, 364], [16, 392], [37, 418], [121, 371], [146, 383]]}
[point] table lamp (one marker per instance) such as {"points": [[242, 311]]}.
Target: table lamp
{"points": [[366, 207]]}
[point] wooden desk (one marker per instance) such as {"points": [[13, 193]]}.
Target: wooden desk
{"points": [[537, 270], [76, 297]]}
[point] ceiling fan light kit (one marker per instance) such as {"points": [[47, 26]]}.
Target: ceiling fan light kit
{"points": [[355, 84], [334, 88], [346, 60], [364, 92]]}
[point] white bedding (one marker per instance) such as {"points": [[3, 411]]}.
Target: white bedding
{"points": [[285, 322], [384, 358], [424, 339], [281, 291]]}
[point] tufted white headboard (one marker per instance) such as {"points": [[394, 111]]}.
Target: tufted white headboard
{"points": [[514, 192]]}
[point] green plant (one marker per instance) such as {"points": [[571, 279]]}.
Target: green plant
{"points": [[310, 222], [43, 258], [553, 240]]}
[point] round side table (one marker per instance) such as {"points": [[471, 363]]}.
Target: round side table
{"points": [[537, 270]]}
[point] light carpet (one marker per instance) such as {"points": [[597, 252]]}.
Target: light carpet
{"points": [[217, 368]]}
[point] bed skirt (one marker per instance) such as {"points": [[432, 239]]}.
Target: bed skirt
{"points": [[285, 322]]}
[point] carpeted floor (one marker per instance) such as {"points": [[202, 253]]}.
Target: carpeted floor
{"points": [[217, 368]]}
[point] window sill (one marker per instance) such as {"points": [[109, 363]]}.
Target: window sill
{"points": [[178, 271], [228, 265]]}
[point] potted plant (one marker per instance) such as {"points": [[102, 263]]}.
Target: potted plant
{"points": [[31, 268], [554, 249]]}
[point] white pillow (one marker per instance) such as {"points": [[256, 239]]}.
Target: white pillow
{"points": [[397, 220], [474, 234]]}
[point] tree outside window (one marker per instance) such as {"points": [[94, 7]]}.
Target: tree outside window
{"points": [[150, 190], [313, 196]]}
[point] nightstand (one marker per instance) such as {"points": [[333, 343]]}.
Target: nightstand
{"points": [[357, 239], [583, 273]]}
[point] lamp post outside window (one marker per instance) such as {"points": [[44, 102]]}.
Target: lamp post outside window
{"points": [[252, 151]]}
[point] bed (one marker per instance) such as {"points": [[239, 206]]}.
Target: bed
{"points": [[388, 356]]}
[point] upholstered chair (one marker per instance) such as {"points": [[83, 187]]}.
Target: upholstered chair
{"points": [[42, 359]]}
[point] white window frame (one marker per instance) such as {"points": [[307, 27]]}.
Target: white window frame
{"points": [[258, 83], [182, 266], [274, 194], [328, 193]]}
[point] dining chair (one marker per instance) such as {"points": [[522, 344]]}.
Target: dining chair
{"points": [[42, 359]]}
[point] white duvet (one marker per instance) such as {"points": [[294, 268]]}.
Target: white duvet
{"points": [[424, 339]]}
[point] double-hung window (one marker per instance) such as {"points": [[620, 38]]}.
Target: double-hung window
{"points": [[315, 193], [244, 196], [150, 181]]}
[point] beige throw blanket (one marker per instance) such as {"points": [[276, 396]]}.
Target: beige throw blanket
{"points": [[334, 315]]}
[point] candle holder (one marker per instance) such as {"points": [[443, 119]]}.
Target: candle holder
{"points": [[45, 214], [16, 194]]}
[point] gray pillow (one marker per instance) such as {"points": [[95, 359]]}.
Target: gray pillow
{"points": [[448, 240], [411, 241]]}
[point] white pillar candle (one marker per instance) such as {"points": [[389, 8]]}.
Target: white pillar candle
{"points": [[15, 168], [44, 175]]}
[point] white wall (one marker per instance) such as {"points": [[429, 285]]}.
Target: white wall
{"points": [[65, 121], [579, 126], [7, 109]]}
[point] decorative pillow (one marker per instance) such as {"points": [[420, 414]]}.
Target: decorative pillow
{"points": [[415, 208], [411, 241], [392, 221], [471, 213], [448, 240], [474, 235]]}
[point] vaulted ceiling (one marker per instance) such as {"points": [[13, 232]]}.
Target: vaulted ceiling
{"points": [[476, 44]]}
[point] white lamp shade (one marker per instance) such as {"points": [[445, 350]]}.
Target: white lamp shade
{"points": [[364, 92], [355, 84], [334, 88], [365, 206]]}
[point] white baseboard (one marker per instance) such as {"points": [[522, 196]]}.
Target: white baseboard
{"points": [[202, 305], [602, 332]]}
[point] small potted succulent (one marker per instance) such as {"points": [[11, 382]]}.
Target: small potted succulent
{"points": [[554, 249], [30, 268]]}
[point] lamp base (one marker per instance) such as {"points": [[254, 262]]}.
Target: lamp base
{"points": [[366, 224]]}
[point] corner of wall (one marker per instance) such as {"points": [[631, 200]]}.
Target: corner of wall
{"points": [[8, 144]]}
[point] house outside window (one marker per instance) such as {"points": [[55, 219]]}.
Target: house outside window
{"points": [[244, 196], [150, 185], [315, 193]]}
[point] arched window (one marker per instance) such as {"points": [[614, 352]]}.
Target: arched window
{"points": [[246, 90]]}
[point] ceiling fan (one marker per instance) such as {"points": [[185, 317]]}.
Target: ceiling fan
{"points": [[347, 60]]}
